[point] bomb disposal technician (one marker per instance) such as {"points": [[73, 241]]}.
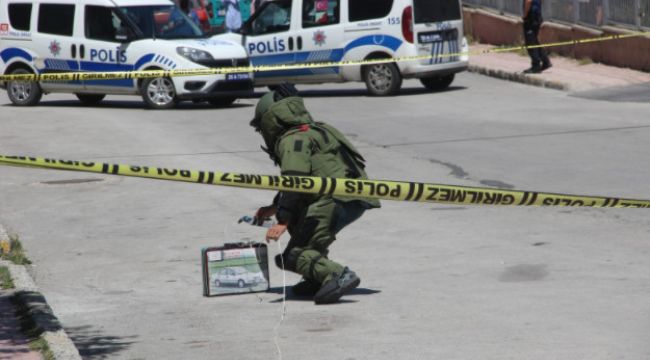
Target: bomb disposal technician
{"points": [[303, 147]]}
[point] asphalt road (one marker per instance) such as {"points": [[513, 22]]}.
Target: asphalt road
{"points": [[118, 258]]}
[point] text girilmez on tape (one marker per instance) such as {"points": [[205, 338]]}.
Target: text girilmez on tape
{"points": [[378, 189]]}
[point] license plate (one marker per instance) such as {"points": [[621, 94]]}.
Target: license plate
{"points": [[425, 38], [237, 76]]}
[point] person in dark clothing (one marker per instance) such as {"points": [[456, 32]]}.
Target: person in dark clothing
{"points": [[303, 147], [184, 5], [532, 22]]}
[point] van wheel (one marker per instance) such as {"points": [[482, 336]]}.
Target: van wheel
{"points": [[437, 82], [158, 93], [382, 79], [222, 101], [90, 99], [240, 283], [23, 93]]}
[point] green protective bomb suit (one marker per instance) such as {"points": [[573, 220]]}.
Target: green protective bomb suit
{"points": [[301, 146]]}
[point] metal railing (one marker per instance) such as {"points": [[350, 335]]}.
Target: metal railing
{"points": [[635, 13]]}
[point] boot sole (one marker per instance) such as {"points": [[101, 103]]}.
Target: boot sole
{"points": [[336, 295]]}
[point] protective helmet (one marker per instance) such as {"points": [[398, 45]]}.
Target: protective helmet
{"points": [[262, 107], [278, 111], [278, 93]]}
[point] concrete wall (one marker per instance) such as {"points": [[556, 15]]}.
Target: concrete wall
{"points": [[491, 28]]}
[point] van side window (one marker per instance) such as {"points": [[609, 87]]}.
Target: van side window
{"points": [[369, 9], [426, 11], [20, 15], [101, 23], [273, 18], [57, 19], [320, 12]]}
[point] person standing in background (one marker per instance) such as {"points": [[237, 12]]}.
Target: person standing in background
{"points": [[186, 8], [233, 15], [532, 22]]}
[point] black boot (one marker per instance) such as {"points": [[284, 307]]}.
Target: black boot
{"points": [[333, 289], [533, 70]]}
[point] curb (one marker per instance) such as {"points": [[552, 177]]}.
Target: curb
{"points": [[518, 77], [27, 294]]}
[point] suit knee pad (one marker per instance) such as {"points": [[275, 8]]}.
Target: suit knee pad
{"points": [[288, 260]]}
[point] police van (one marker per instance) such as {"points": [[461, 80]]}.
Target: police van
{"points": [[311, 31], [55, 36]]}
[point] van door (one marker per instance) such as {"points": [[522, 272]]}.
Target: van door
{"points": [[269, 40], [438, 29], [102, 52], [57, 49], [319, 39]]}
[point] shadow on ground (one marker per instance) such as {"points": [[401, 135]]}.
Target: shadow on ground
{"points": [[93, 344], [639, 93], [410, 91], [292, 297], [32, 304], [188, 105], [135, 104]]}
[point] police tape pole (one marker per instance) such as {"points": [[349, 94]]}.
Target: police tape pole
{"points": [[142, 74], [378, 189]]}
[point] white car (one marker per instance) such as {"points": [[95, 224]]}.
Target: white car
{"points": [[53, 36], [237, 276], [312, 31]]}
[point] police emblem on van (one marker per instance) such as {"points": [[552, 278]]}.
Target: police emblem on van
{"points": [[319, 37], [55, 48]]}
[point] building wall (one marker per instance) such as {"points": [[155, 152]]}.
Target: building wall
{"points": [[491, 28]]}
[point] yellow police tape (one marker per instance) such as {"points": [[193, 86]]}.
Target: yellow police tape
{"points": [[77, 76], [379, 189]]}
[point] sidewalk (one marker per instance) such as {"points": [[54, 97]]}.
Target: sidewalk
{"points": [[566, 74], [13, 344]]}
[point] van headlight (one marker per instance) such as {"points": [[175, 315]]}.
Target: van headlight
{"points": [[194, 55]]}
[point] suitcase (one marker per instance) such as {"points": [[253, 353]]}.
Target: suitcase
{"points": [[235, 268]]}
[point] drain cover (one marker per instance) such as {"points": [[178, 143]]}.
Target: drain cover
{"points": [[71, 181]]}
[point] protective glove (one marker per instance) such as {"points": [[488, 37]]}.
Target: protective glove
{"points": [[264, 213], [275, 232]]}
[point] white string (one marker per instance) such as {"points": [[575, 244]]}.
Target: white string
{"points": [[276, 330]]}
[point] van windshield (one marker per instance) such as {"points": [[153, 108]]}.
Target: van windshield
{"points": [[163, 22], [428, 11], [270, 17]]}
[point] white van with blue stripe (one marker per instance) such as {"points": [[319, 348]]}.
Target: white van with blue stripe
{"points": [[50, 36], [308, 31]]}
